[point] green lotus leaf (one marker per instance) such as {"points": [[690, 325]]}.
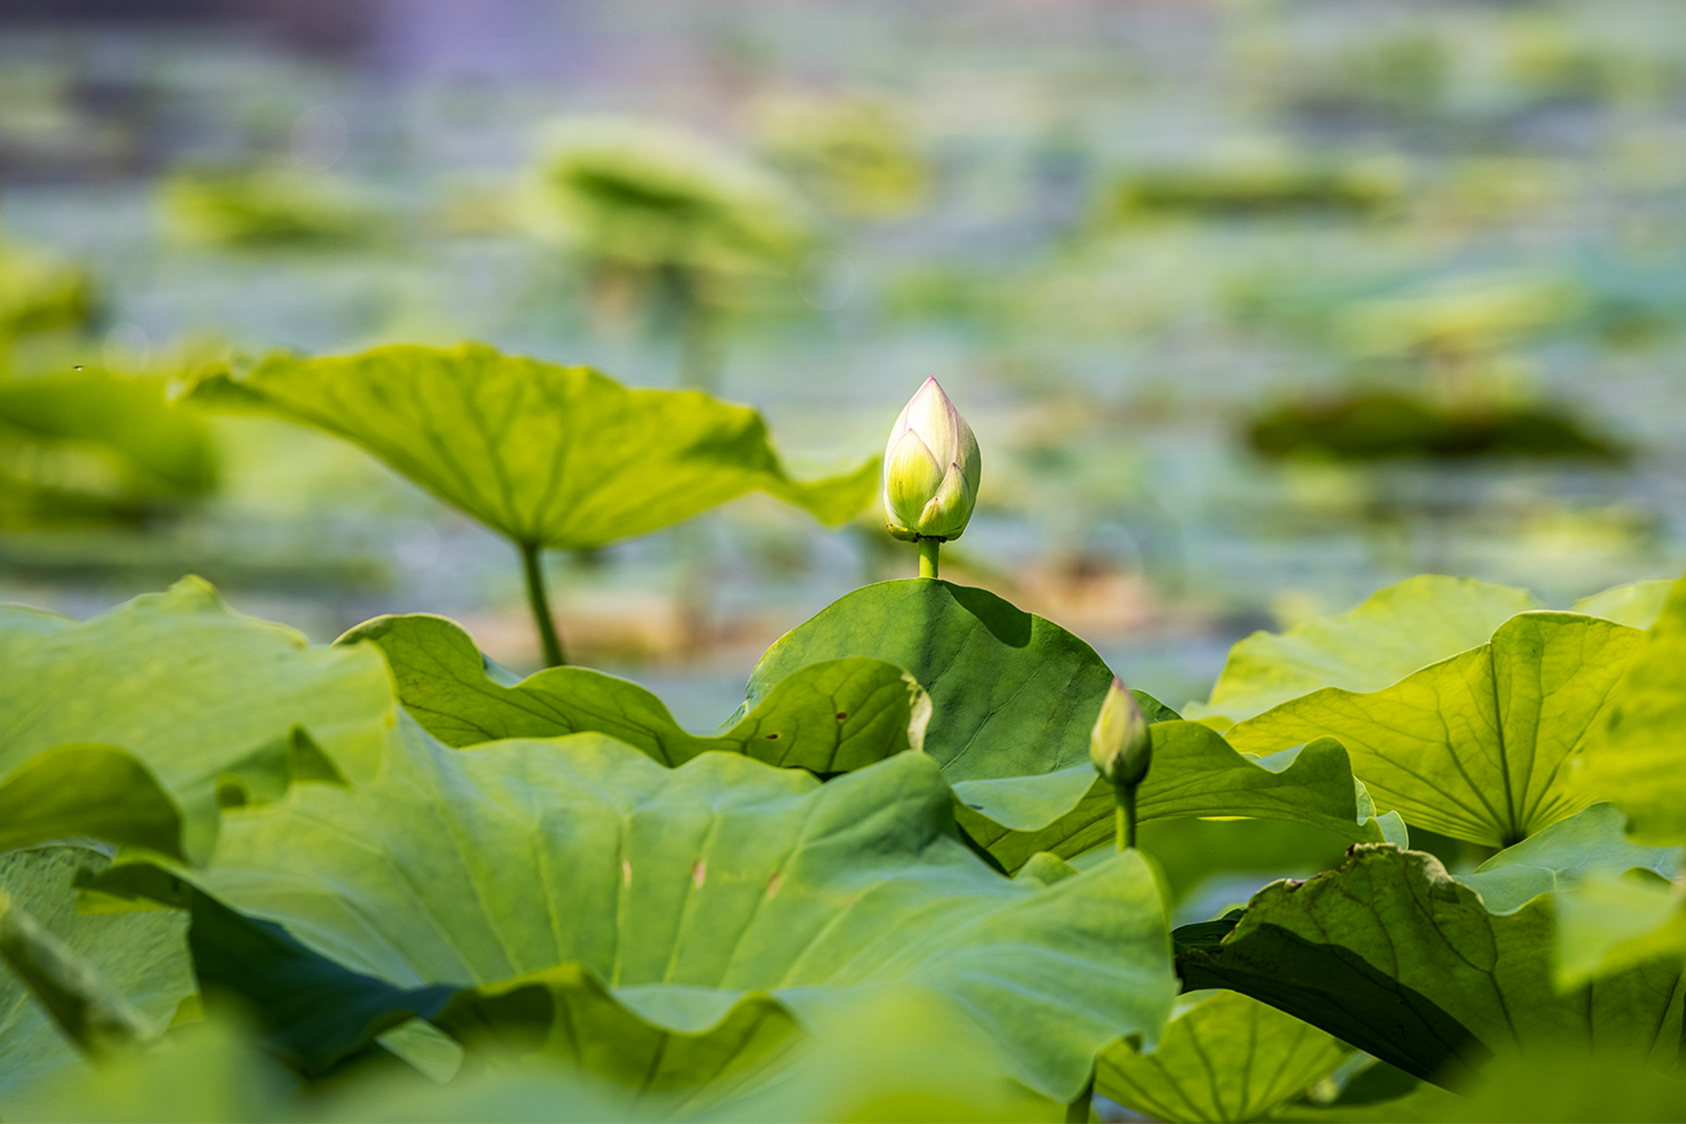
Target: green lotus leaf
{"points": [[829, 717], [1635, 757], [1587, 845], [578, 878], [547, 455], [126, 725], [96, 969], [1195, 773], [1393, 632], [1479, 746], [1391, 954], [1227, 1057], [1608, 922], [1013, 699], [1635, 604]]}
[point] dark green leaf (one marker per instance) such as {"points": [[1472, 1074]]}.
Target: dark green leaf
{"points": [[828, 718], [1392, 955]]}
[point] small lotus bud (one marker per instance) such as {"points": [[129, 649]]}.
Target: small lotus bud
{"points": [[1120, 745], [931, 469]]}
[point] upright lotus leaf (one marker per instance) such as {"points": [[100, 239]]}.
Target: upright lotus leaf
{"points": [[124, 726], [1479, 746], [1227, 1057], [828, 717], [1589, 844], [1013, 699], [546, 455], [1635, 756], [576, 878], [1393, 632], [1393, 955], [96, 969], [1636, 604]]}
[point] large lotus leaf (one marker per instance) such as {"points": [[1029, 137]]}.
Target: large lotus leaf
{"points": [[1636, 604], [1195, 772], [1227, 1057], [124, 726], [547, 455], [578, 876], [1635, 756], [1393, 632], [1013, 699], [828, 718], [1479, 746], [1393, 955], [141, 956], [1588, 845]]}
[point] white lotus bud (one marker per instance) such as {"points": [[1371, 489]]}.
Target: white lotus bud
{"points": [[931, 469], [1120, 744]]}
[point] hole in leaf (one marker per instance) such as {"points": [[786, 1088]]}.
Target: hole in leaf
{"points": [[842, 714], [772, 737]]}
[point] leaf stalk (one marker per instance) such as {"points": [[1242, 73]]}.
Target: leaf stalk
{"points": [[539, 601]]}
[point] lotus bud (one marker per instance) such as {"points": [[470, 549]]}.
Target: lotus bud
{"points": [[931, 469], [1120, 745]]}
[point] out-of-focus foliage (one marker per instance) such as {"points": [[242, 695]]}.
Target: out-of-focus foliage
{"points": [[1384, 426], [1262, 187], [649, 196], [40, 293], [83, 446], [855, 154], [266, 207]]}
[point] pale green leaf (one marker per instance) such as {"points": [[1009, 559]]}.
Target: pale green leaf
{"points": [[544, 454], [578, 876], [1479, 746], [1393, 632], [827, 717], [105, 971], [1636, 757], [1589, 844], [1636, 604], [1227, 1057], [125, 725], [1608, 923]]}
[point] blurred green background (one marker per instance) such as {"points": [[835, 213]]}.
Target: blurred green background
{"points": [[1254, 306]]}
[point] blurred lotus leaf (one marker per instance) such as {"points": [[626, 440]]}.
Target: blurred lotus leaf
{"points": [[39, 293], [1257, 188], [92, 446], [854, 153], [1382, 426], [646, 195], [265, 207], [1468, 314]]}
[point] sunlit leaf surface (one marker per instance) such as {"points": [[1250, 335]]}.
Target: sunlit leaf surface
{"points": [[546, 455], [1394, 632], [1479, 746]]}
